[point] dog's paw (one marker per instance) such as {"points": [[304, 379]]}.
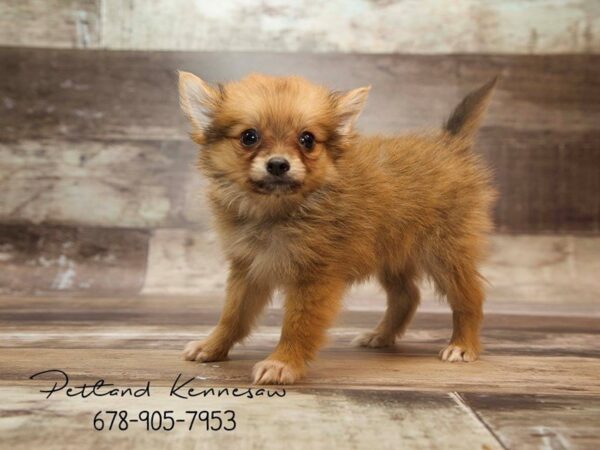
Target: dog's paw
{"points": [[204, 351], [372, 339], [454, 353], [271, 371]]}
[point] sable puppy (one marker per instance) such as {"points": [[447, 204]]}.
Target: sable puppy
{"points": [[304, 204]]}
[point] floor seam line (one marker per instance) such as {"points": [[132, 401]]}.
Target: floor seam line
{"points": [[463, 403]]}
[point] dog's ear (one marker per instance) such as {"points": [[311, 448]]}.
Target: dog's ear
{"points": [[349, 105], [198, 99]]}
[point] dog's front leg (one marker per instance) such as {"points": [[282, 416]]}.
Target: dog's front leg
{"points": [[310, 308], [245, 299]]}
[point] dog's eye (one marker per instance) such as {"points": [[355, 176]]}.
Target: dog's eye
{"points": [[307, 140], [249, 137]]}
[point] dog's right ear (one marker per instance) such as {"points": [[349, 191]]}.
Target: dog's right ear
{"points": [[349, 105], [198, 99]]}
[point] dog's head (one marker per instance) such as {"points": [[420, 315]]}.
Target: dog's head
{"points": [[269, 136]]}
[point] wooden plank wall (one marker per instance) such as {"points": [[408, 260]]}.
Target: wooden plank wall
{"points": [[98, 197], [92, 140], [82, 124]]}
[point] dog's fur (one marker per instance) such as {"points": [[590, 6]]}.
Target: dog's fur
{"points": [[354, 207]]}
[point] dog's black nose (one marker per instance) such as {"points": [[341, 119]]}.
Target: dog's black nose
{"points": [[277, 166]]}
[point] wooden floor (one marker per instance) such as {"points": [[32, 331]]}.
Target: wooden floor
{"points": [[536, 386]]}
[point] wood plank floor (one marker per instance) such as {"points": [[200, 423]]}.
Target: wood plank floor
{"points": [[536, 385]]}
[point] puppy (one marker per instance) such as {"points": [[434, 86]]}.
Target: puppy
{"points": [[306, 205]]}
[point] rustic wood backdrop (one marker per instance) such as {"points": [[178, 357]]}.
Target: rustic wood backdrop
{"points": [[98, 192], [99, 203]]}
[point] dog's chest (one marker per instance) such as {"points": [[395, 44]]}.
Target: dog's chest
{"points": [[269, 251]]}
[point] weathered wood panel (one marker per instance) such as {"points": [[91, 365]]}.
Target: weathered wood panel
{"points": [[50, 23], [89, 94], [83, 94], [557, 270], [39, 260], [548, 182], [202, 310], [539, 421], [140, 183], [513, 26], [304, 418], [543, 269], [185, 262], [541, 135], [544, 186]]}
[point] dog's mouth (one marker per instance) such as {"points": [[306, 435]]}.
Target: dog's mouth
{"points": [[277, 186]]}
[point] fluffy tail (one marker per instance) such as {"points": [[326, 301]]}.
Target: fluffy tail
{"points": [[467, 116]]}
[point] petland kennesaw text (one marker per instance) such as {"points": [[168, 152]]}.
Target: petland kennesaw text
{"points": [[180, 388]]}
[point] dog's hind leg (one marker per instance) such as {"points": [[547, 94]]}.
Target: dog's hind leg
{"points": [[463, 286], [402, 301]]}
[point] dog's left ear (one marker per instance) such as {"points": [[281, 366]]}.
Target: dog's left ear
{"points": [[198, 99], [349, 105]]}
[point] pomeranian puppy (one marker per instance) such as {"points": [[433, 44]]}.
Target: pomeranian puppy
{"points": [[306, 205]]}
